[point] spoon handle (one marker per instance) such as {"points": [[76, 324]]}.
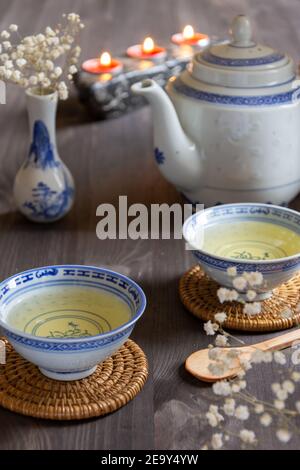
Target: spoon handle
{"points": [[279, 342]]}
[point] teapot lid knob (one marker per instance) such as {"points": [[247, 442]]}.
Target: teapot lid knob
{"points": [[241, 31]]}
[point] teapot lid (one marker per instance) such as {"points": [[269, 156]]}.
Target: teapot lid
{"points": [[241, 62]]}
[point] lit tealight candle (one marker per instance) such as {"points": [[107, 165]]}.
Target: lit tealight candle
{"points": [[147, 50], [190, 38], [104, 64]]}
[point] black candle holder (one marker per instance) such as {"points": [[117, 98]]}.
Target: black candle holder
{"points": [[107, 96]]}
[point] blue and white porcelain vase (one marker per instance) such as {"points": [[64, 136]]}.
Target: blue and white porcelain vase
{"points": [[44, 187]]}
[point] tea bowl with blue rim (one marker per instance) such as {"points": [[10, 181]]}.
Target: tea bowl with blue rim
{"points": [[79, 332], [270, 246]]}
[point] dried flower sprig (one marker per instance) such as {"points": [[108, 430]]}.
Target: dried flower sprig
{"points": [[35, 61], [238, 403]]}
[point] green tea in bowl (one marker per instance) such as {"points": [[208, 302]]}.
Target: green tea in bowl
{"points": [[247, 237], [67, 319]]}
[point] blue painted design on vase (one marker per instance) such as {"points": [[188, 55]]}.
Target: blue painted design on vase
{"points": [[48, 204], [41, 152], [159, 156]]}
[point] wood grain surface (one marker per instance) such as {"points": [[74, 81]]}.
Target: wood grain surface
{"points": [[114, 158]]}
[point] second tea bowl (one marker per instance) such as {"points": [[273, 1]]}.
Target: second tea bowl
{"points": [[271, 247]]}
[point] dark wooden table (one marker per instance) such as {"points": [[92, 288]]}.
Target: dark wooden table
{"points": [[109, 159]]}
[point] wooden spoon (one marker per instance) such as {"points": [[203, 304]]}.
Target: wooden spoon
{"points": [[198, 362]]}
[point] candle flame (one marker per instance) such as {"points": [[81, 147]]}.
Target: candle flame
{"points": [[105, 59], [148, 45], [188, 32]]}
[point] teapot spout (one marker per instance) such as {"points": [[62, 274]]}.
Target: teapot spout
{"points": [[178, 158]]}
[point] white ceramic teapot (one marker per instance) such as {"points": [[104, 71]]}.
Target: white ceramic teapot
{"points": [[229, 131]]}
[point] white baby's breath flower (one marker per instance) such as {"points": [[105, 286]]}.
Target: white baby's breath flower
{"points": [[281, 394], [16, 75], [46, 83], [251, 294], [76, 53], [221, 388], [295, 376], [242, 384], [235, 388], [283, 435], [21, 63], [228, 295], [265, 419], [221, 341], [275, 387], [28, 41], [73, 17], [72, 69], [288, 386], [247, 436], [252, 309], [40, 37], [220, 317], [296, 357], [217, 441], [33, 80], [279, 404], [58, 71], [229, 406], [259, 356], [253, 278], [5, 34], [7, 74], [259, 408], [210, 328], [4, 57], [6, 45], [41, 76], [279, 358], [231, 271], [49, 65], [9, 64], [49, 31], [239, 283], [213, 416], [245, 363], [38, 52], [242, 412], [53, 41], [63, 94]]}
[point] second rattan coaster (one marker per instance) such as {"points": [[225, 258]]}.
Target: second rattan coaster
{"points": [[198, 294], [115, 382]]}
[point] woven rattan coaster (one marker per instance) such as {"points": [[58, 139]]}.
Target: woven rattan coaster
{"points": [[115, 382], [198, 294]]}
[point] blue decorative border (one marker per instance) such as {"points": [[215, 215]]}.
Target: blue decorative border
{"points": [[65, 346], [227, 62], [223, 265], [258, 100]]}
